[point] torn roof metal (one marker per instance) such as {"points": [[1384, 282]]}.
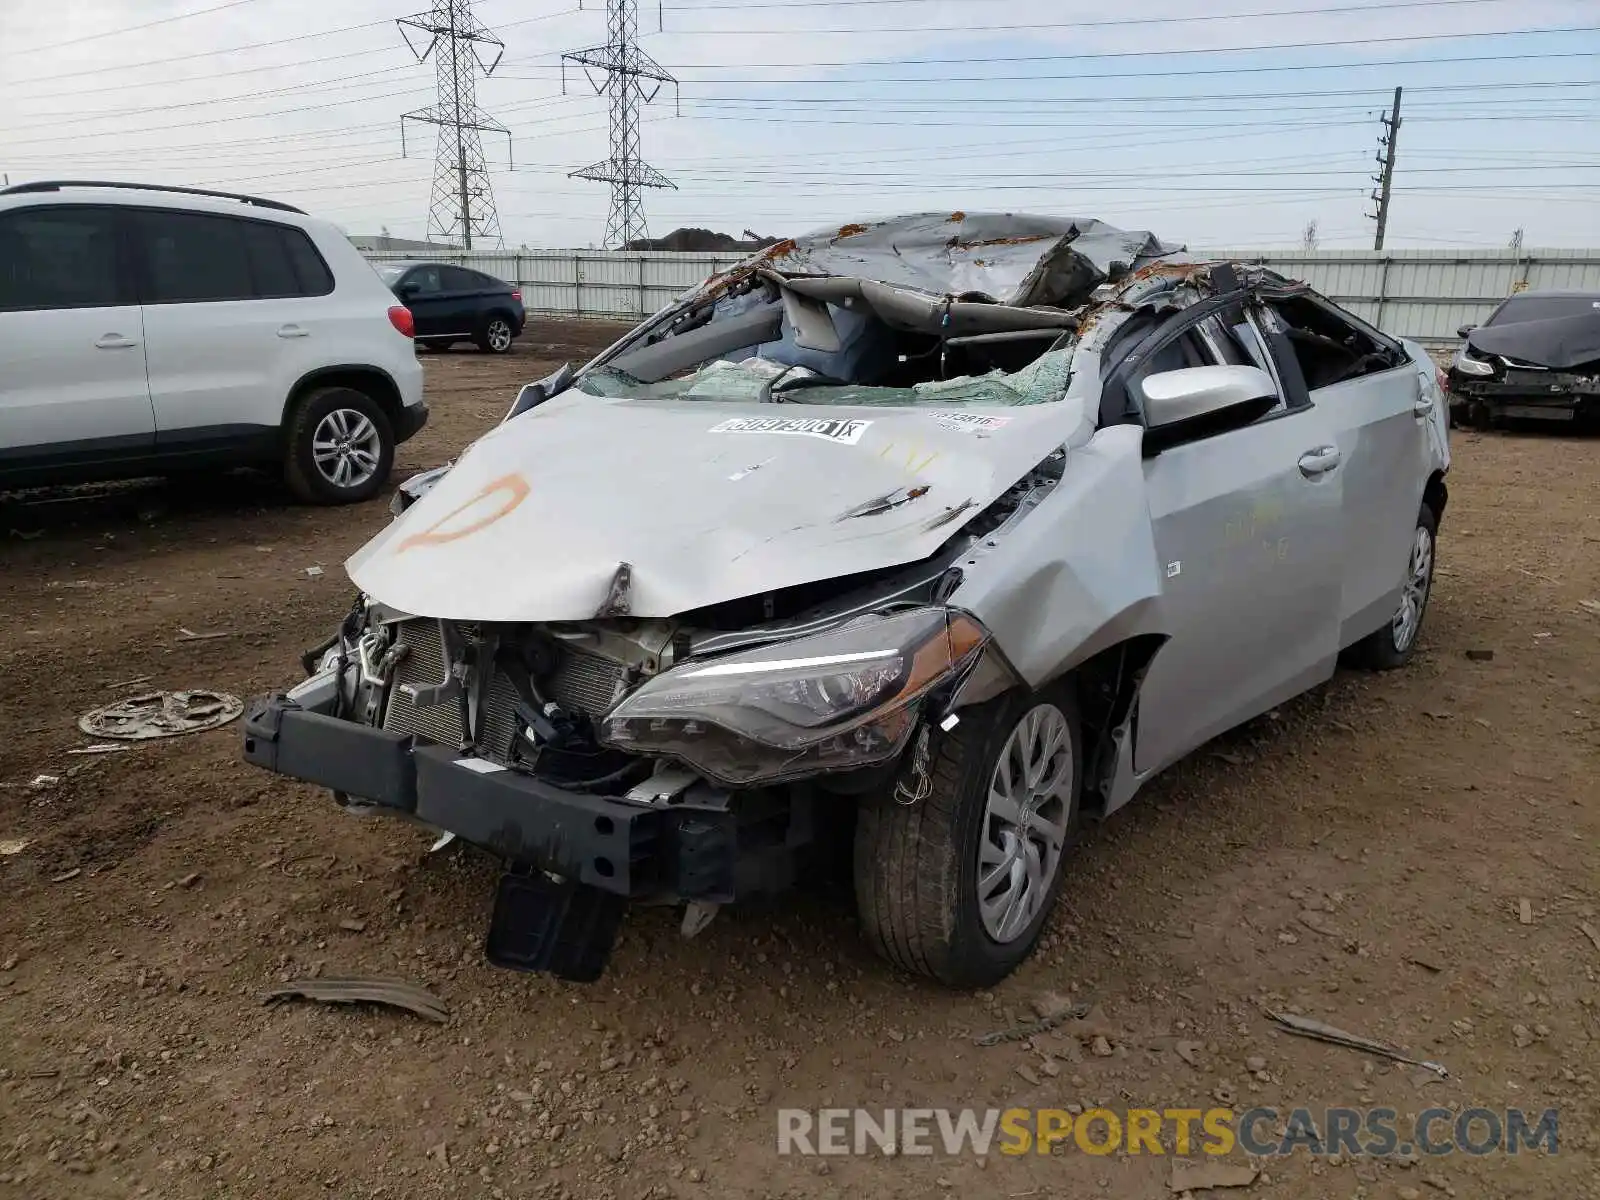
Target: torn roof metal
{"points": [[1006, 258]]}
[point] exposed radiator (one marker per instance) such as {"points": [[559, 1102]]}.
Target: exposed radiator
{"points": [[582, 682]]}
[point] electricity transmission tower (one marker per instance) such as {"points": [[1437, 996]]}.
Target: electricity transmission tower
{"points": [[1389, 140], [463, 203], [627, 68]]}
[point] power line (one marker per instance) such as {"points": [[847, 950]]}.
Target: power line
{"points": [[94, 37]]}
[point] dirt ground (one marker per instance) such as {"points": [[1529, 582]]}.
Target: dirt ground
{"points": [[1410, 856]]}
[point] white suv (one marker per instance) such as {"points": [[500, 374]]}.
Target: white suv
{"points": [[146, 330]]}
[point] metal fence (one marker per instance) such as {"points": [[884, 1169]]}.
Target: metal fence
{"points": [[1421, 294]]}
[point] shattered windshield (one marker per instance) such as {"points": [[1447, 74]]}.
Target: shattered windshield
{"points": [[759, 380]]}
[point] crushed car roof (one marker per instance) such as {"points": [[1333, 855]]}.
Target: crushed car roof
{"points": [[1006, 258]]}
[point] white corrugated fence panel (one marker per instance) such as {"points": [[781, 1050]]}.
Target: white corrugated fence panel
{"points": [[1421, 294]]}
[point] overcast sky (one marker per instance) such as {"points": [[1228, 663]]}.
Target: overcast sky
{"points": [[802, 113]]}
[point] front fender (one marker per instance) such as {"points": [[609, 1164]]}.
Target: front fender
{"points": [[1079, 573]]}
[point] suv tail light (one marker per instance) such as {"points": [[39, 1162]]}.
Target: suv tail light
{"points": [[516, 294], [400, 318]]}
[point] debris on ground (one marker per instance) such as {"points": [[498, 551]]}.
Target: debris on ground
{"points": [[189, 880], [134, 682], [1525, 911], [189, 635], [1481, 655], [12, 846], [1027, 1029], [161, 714], [1317, 1031], [1589, 931], [313, 572], [395, 993], [100, 748], [44, 781], [1590, 605], [1188, 1175], [66, 875], [350, 925], [1432, 965]]}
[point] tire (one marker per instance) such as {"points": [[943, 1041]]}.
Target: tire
{"points": [[341, 416], [1392, 646], [496, 335], [917, 865]]}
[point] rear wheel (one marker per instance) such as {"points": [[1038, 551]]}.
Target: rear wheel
{"points": [[340, 447], [1392, 646], [958, 884], [496, 336]]}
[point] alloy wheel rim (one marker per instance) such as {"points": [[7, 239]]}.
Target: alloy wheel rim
{"points": [[499, 335], [1414, 596], [1024, 823], [346, 447]]}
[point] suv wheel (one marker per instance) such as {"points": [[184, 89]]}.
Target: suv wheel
{"points": [[958, 884], [1392, 646], [340, 447], [496, 337]]}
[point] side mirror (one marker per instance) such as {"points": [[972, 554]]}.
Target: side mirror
{"points": [[1198, 401], [1465, 330], [409, 289], [534, 394]]}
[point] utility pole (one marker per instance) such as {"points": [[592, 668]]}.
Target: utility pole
{"points": [[626, 68], [1389, 141], [462, 204]]}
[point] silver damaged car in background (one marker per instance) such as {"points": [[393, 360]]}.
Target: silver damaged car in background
{"points": [[907, 546]]}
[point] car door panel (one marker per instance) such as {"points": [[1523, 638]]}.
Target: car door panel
{"points": [[1385, 449], [1248, 540], [430, 305], [73, 385], [217, 354], [1381, 419]]}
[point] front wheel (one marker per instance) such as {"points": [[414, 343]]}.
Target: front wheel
{"points": [[1390, 647], [957, 883], [497, 336], [339, 447]]}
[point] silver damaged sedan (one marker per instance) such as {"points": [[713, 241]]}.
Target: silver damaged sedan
{"points": [[886, 557]]}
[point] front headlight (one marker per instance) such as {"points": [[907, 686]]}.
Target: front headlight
{"points": [[832, 702], [1472, 366]]}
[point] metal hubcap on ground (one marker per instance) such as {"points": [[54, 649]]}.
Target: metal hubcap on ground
{"points": [[1408, 617], [1025, 823], [499, 336], [346, 447]]}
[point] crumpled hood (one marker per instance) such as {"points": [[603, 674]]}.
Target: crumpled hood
{"points": [[1557, 343], [705, 502]]}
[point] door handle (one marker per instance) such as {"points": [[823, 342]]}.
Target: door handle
{"points": [[1319, 461], [1423, 408], [293, 331], [115, 341]]}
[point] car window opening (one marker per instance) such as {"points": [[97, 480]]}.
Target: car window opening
{"points": [[857, 343]]}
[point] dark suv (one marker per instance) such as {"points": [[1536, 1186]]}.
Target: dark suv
{"points": [[455, 304]]}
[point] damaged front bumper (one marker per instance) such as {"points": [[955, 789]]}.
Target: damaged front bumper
{"points": [[574, 859]]}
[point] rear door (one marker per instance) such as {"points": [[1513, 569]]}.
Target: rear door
{"points": [[469, 298], [1373, 394], [72, 347], [1246, 526], [232, 319]]}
